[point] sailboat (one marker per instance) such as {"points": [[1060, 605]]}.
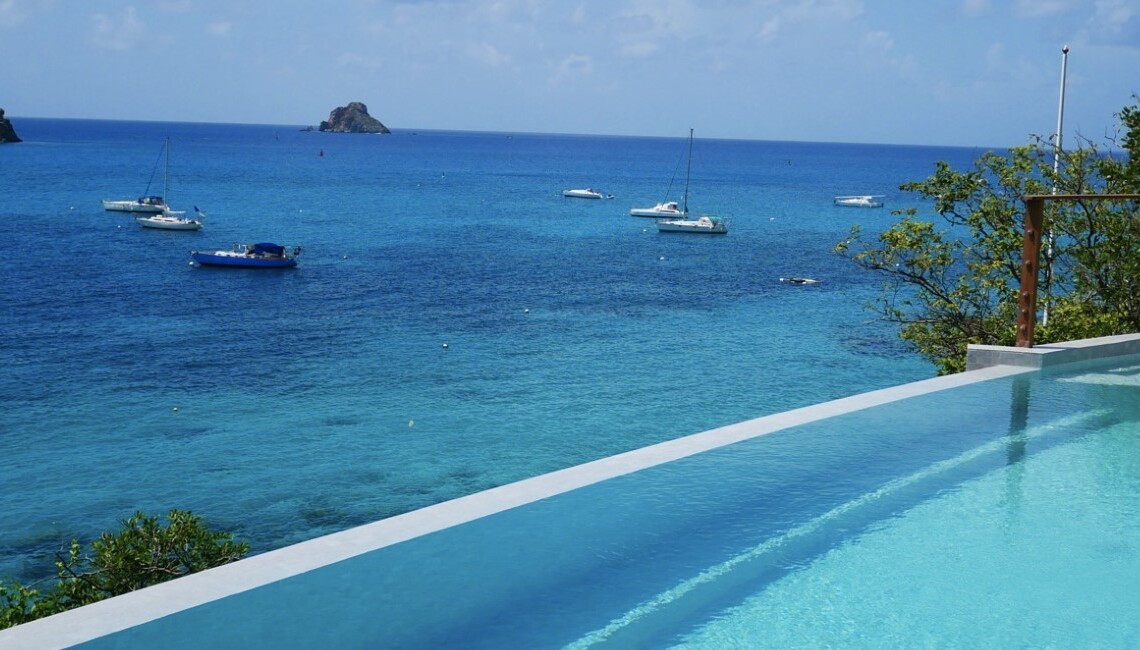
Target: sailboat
{"points": [[706, 224], [147, 203], [670, 208], [166, 219], [169, 220]]}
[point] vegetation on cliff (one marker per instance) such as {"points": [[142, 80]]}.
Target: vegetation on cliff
{"points": [[957, 283]]}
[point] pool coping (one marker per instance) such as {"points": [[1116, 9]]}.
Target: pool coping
{"points": [[140, 607], [1052, 354]]}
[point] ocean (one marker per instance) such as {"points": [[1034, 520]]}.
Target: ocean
{"points": [[454, 323]]}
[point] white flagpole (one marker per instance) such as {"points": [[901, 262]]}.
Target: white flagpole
{"points": [[1056, 170], [1060, 113]]}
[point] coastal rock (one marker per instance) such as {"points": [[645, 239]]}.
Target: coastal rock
{"points": [[7, 133], [353, 118]]}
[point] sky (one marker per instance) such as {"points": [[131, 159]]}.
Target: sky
{"points": [[983, 73]]}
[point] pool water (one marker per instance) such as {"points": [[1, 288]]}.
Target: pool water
{"points": [[1003, 513]]}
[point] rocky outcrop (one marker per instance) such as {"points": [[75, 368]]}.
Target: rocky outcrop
{"points": [[7, 133], [353, 118]]}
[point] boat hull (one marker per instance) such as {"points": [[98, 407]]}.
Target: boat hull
{"points": [[704, 225], [581, 194], [659, 211], [133, 206], [161, 222], [858, 202], [238, 260], [655, 214]]}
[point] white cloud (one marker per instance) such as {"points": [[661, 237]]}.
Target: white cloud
{"points": [[995, 57], [578, 17], [220, 28], [1116, 22], [1114, 12], [10, 14], [879, 41], [769, 29], [975, 8], [835, 10], [805, 14], [501, 12], [641, 50], [669, 18], [119, 34], [1039, 8], [353, 60], [573, 66], [1001, 68], [879, 45], [642, 29], [488, 55]]}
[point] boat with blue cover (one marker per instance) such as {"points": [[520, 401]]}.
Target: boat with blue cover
{"points": [[264, 255]]}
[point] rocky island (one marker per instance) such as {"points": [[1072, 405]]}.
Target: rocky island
{"points": [[7, 133], [353, 118]]}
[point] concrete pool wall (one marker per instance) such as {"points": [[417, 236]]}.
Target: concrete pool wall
{"points": [[1052, 354], [138, 608]]}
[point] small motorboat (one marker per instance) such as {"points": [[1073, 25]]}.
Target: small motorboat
{"points": [[704, 224], [264, 255], [859, 201], [801, 280], [667, 209], [582, 194]]}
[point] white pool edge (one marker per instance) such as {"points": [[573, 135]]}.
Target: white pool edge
{"points": [[140, 607], [1053, 354]]}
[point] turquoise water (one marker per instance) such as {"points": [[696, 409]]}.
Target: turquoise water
{"points": [[286, 405], [998, 514]]}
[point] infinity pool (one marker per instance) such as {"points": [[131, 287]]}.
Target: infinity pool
{"points": [[1003, 512]]}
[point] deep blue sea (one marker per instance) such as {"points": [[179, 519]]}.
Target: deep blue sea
{"points": [[454, 323]]}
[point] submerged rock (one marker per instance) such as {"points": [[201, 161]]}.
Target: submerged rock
{"points": [[7, 133], [353, 118]]}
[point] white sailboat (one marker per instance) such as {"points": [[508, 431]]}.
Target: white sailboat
{"points": [[670, 209], [148, 203], [167, 219], [705, 224], [663, 209]]}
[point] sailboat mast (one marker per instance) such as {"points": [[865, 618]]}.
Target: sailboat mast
{"points": [[688, 168], [166, 172]]}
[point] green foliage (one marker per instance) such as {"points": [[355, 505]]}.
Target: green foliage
{"points": [[142, 553], [952, 284], [20, 604]]}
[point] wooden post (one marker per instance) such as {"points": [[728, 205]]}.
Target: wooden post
{"points": [[1030, 261], [1031, 255]]}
